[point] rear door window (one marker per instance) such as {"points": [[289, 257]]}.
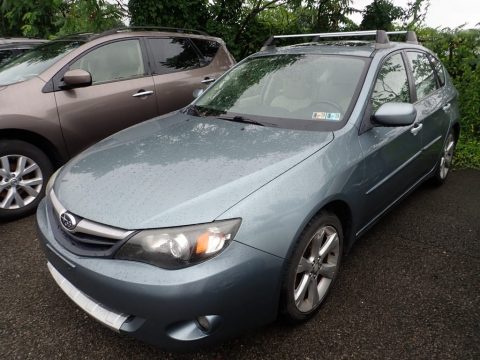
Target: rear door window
{"points": [[423, 75], [173, 54]]}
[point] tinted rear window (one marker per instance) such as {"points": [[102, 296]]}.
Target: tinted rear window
{"points": [[173, 54], [208, 48]]}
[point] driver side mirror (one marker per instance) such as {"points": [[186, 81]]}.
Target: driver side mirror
{"points": [[76, 78], [395, 114]]}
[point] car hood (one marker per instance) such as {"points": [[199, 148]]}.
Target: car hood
{"points": [[178, 170]]}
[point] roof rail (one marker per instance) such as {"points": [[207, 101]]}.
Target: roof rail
{"points": [[74, 35], [146, 28], [381, 37]]}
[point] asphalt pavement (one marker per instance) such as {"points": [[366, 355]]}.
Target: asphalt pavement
{"points": [[409, 289]]}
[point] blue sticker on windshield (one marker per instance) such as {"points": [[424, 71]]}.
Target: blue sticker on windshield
{"points": [[326, 116]]}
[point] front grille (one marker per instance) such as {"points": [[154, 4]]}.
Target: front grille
{"points": [[88, 238]]}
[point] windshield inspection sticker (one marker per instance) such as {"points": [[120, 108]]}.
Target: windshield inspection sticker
{"points": [[326, 116]]}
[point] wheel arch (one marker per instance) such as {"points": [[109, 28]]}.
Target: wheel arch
{"points": [[334, 205], [340, 208], [456, 130], [37, 140]]}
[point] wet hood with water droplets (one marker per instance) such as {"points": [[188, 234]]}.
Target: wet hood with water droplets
{"points": [[178, 170]]}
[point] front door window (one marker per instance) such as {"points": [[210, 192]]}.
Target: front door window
{"points": [[112, 62]]}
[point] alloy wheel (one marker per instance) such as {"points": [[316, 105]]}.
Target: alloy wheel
{"points": [[316, 269], [21, 181], [447, 156]]}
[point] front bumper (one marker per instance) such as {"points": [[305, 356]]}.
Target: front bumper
{"points": [[236, 290]]}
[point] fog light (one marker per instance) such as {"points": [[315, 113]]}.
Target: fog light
{"points": [[203, 323]]}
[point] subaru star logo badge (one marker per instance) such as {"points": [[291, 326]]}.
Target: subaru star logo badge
{"points": [[68, 221]]}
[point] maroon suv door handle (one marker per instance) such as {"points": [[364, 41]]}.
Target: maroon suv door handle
{"points": [[208, 80], [142, 92]]}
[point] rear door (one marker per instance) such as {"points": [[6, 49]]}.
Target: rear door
{"points": [[391, 153], [122, 94], [178, 70], [433, 107]]}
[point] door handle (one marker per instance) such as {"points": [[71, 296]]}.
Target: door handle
{"points": [[141, 93], [447, 107], [208, 80], [416, 128]]}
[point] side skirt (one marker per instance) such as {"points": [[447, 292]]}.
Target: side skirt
{"points": [[395, 202]]}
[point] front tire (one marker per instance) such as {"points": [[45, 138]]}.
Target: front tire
{"points": [[313, 268], [24, 172]]}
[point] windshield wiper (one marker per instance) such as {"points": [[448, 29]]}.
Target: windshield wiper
{"points": [[245, 120], [192, 110]]}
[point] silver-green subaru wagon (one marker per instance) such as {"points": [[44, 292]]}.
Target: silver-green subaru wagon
{"points": [[197, 225]]}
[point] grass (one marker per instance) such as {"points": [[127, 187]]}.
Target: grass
{"points": [[467, 153]]}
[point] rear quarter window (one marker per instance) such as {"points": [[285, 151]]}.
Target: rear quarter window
{"points": [[438, 66], [208, 49]]}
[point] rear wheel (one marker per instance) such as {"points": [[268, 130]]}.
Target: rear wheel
{"points": [[313, 268], [24, 172], [445, 163]]}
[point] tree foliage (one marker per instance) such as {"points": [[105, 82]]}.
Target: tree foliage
{"points": [[244, 25], [414, 14], [89, 16], [26, 17], [46, 18], [381, 14], [459, 50]]}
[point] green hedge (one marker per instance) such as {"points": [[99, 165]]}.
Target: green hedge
{"points": [[459, 50]]}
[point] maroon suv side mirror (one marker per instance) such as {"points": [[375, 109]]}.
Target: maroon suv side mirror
{"points": [[76, 78]]}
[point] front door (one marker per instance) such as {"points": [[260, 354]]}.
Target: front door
{"points": [[391, 153], [122, 94]]}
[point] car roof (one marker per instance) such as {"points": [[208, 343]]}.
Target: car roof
{"points": [[349, 48], [140, 31], [342, 43], [328, 48]]}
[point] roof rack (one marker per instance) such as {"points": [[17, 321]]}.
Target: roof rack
{"points": [[74, 36], [144, 28], [381, 37]]}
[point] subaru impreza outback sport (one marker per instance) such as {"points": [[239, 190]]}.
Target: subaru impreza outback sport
{"points": [[197, 225], [63, 96]]}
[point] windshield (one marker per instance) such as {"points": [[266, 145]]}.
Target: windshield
{"points": [[35, 61], [294, 90]]}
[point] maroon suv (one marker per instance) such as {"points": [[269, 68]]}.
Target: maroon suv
{"points": [[63, 96]]}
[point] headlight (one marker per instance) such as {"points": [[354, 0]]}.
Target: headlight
{"points": [[51, 181], [180, 246]]}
